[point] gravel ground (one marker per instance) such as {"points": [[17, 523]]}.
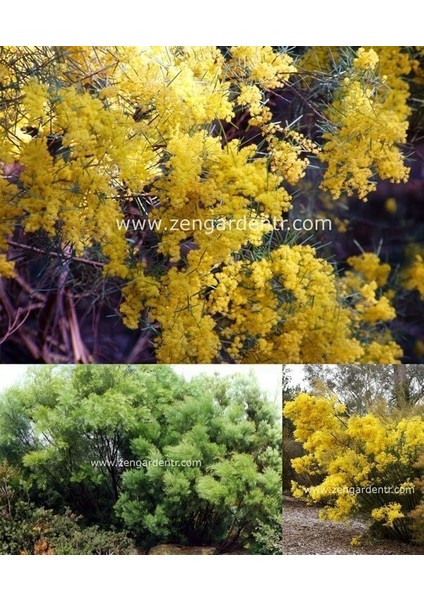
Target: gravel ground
{"points": [[305, 533]]}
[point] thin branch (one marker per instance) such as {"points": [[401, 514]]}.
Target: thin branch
{"points": [[86, 261]]}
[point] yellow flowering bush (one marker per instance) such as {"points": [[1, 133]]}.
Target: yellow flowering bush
{"points": [[418, 513], [414, 275], [368, 122], [93, 139], [368, 464]]}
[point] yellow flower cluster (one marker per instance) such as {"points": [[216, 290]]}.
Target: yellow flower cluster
{"points": [[98, 128], [365, 59], [369, 266], [93, 112], [367, 126], [256, 70], [388, 513], [283, 308], [287, 308], [414, 275], [351, 455], [260, 65], [317, 60], [363, 282], [35, 100], [356, 540], [394, 66], [365, 287]]}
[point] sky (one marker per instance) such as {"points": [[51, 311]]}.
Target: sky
{"points": [[268, 376], [10, 374], [297, 374]]}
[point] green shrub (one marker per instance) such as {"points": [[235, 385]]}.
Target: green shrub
{"points": [[26, 529], [268, 537], [138, 448], [64, 534]]}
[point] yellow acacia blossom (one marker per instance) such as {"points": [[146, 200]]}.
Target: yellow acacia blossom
{"points": [[388, 513], [318, 59], [394, 65], [356, 540], [283, 309], [370, 267], [366, 285], [367, 128], [414, 275], [98, 128], [348, 456], [366, 59], [259, 64], [35, 100]]}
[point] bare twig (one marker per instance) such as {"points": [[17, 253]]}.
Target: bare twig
{"points": [[87, 261]]}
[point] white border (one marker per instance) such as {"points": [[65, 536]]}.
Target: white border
{"points": [[219, 22], [215, 578], [211, 22]]}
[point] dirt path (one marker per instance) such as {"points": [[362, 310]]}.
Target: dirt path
{"points": [[305, 533]]}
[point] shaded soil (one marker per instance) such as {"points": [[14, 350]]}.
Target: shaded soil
{"points": [[305, 533], [173, 549]]}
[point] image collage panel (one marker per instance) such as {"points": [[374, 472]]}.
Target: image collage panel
{"points": [[189, 459], [211, 299], [214, 204], [353, 459], [123, 459]]}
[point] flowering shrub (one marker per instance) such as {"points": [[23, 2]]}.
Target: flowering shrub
{"points": [[92, 135], [369, 464], [368, 124], [418, 513]]}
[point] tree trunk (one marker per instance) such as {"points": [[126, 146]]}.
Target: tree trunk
{"points": [[400, 385]]}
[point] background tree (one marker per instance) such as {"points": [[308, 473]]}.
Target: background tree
{"points": [[73, 418], [291, 448], [362, 387]]}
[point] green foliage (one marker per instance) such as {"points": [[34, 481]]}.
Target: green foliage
{"points": [[75, 417], [15, 529], [28, 529], [32, 530], [370, 387], [267, 537], [91, 443], [64, 534], [230, 428]]}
